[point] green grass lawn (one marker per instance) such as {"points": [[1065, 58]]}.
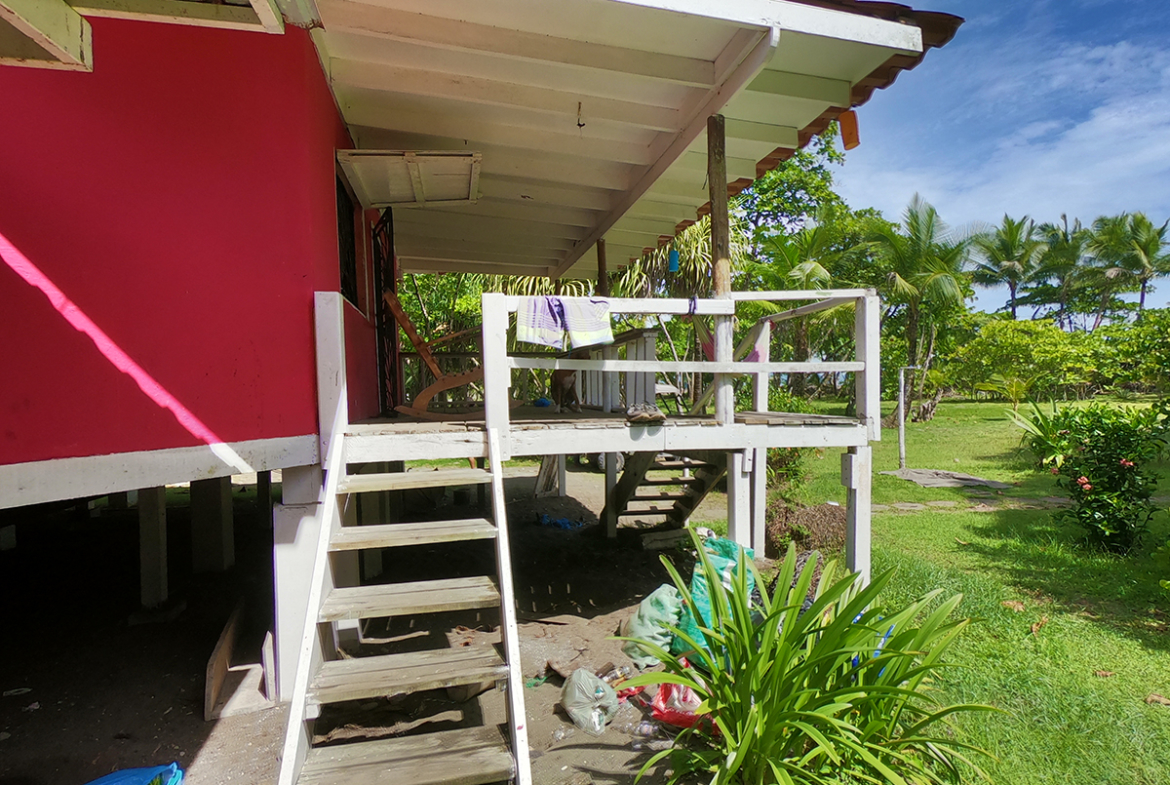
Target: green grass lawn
{"points": [[1062, 723]]}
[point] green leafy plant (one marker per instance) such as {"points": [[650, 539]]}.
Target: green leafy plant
{"points": [[1013, 388], [1099, 455], [844, 688]]}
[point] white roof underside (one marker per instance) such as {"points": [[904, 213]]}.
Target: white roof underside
{"points": [[590, 115]]}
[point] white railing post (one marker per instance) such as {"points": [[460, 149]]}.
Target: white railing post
{"points": [[759, 494], [332, 399], [867, 335], [497, 375]]}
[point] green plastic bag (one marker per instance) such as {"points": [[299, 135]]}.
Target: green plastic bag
{"points": [[724, 555], [649, 623]]}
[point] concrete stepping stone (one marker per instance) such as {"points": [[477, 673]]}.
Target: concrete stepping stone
{"points": [[908, 506]]}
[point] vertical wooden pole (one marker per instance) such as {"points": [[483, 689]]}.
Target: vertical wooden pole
{"points": [[760, 461], [602, 270], [721, 262], [212, 527], [867, 332], [497, 377], [152, 546]]}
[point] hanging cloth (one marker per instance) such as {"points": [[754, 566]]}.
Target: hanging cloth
{"points": [[543, 320]]}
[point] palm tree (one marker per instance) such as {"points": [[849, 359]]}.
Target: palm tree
{"points": [[796, 261], [1132, 250], [925, 261], [1009, 256], [1060, 271]]}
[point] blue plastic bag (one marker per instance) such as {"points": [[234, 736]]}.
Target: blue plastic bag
{"points": [[156, 775]]}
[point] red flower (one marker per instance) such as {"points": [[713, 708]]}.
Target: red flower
{"points": [[1086, 487], [1127, 464]]}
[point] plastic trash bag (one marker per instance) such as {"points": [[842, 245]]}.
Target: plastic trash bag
{"points": [[589, 701], [724, 555], [649, 623], [156, 775]]}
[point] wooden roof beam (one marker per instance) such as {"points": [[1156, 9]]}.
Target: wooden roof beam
{"points": [[472, 89], [434, 31], [262, 16], [44, 34], [747, 64], [430, 264]]}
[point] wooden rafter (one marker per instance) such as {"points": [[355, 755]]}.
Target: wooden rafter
{"points": [[45, 34], [262, 16]]}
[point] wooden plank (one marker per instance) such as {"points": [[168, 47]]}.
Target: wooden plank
{"points": [[416, 340], [399, 481], [269, 15], [436, 31], [799, 294], [497, 378], [867, 332], [409, 599], [220, 661], [53, 28], [397, 674], [394, 535], [687, 366], [194, 14], [466, 756]]}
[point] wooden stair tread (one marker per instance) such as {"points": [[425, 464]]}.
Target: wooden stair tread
{"points": [[661, 497], [393, 535], [466, 756], [397, 481], [408, 599], [398, 674], [672, 481], [672, 465]]}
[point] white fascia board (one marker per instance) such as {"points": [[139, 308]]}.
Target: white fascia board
{"points": [[798, 18]]}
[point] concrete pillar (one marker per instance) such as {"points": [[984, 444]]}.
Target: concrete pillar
{"points": [[739, 508], [152, 546], [857, 476], [213, 546], [296, 531]]}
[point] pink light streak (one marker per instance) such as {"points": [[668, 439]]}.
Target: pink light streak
{"points": [[23, 267]]}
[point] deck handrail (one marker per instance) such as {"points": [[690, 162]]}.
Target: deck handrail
{"points": [[866, 364]]}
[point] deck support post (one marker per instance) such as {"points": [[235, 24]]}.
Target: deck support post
{"points": [[496, 374], [739, 521], [602, 270], [721, 262], [212, 528], [295, 532], [264, 499], [611, 477], [856, 476], [152, 546]]}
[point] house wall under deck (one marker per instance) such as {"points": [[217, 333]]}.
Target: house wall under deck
{"points": [[182, 197]]}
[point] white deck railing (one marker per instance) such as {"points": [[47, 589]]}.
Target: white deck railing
{"points": [[498, 365]]}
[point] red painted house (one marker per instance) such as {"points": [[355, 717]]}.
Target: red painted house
{"points": [[193, 263]]}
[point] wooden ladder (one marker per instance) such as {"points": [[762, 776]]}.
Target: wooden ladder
{"points": [[653, 485], [469, 756]]}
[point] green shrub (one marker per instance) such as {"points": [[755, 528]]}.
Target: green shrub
{"points": [[842, 690], [1099, 455], [1058, 362]]}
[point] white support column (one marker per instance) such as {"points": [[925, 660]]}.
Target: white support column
{"points": [[496, 374], [856, 475], [213, 546], [739, 523], [152, 546], [296, 530], [332, 394], [562, 479], [611, 384]]}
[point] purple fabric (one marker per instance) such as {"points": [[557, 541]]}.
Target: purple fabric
{"points": [[540, 320]]}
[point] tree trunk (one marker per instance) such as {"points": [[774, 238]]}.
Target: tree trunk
{"points": [[797, 382], [1012, 295], [927, 409]]}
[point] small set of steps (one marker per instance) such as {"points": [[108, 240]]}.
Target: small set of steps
{"points": [[465, 756], [665, 489]]}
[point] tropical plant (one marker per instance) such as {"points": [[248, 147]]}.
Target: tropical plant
{"points": [[798, 692], [925, 261], [1012, 388], [1008, 256], [1099, 454], [1132, 250], [1058, 278]]}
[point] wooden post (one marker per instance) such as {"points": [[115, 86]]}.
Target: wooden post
{"points": [[295, 534], [602, 270], [856, 476], [721, 262], [212, 528], [152, 546], [496, 374], [332, 398], [867, 332], [264, 499]]}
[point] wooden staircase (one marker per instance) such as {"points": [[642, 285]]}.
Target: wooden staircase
{"points": [[466, 756], [655, 486]]}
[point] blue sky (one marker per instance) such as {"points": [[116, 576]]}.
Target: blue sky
{"points": [[1037, 107]]}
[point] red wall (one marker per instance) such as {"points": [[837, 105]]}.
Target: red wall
{"points": [[182, 195]]}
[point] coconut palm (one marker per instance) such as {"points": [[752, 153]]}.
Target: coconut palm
{"points": [[1132, 252], [1059, 274], [1008, 256]]}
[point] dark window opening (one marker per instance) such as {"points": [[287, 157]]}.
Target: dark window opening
{"points": [[347, 244]]}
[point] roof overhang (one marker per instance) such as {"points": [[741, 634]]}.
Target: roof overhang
{"points": [[590, 115]]}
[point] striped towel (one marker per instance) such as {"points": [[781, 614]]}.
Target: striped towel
{"points": [[543, 320]]}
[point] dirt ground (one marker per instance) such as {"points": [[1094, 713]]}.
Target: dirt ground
{"points": [[87, 689]]}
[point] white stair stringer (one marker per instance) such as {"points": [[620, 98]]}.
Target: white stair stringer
{"points": [[517, 721]]}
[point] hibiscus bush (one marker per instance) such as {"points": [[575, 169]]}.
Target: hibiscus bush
{"points": [[1100, 455]]}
